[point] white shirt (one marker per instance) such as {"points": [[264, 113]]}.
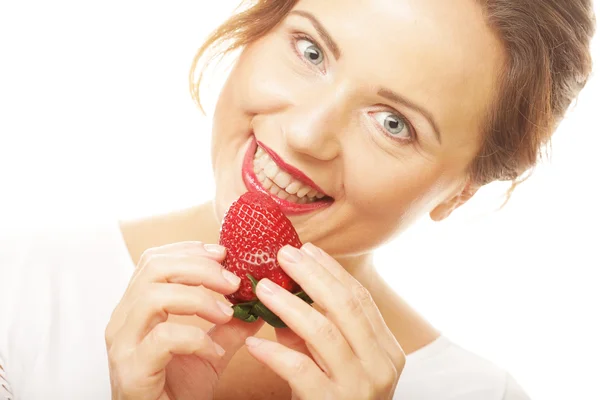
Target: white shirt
{"points": [[59, 285]]}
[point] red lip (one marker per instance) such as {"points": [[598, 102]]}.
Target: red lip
{"points": [[253, 184]]}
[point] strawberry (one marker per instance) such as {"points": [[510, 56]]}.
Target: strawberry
{"points": [[253, 231]]}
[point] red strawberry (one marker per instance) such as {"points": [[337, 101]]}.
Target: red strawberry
{"points": [[253, 231]]}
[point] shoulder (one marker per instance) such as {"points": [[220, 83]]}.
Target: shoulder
{"points": [[445, 370], [177, 226]]}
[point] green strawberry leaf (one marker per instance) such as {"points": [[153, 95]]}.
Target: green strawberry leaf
{"points": [[250, 311], [270, 318], [304, 297], [244, 313]]}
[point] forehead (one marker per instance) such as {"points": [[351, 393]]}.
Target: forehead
{"points": [[440, 54]]}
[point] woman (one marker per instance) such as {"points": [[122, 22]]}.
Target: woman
{"points": [[358, 117]]}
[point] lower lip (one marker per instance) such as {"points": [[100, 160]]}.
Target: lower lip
{"points": [[253, 184]]}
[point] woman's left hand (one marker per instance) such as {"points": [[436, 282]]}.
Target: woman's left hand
{"points": [[348, 352]]}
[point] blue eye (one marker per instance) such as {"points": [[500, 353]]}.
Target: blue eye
{"points": [[310, 51], [394, 124]]}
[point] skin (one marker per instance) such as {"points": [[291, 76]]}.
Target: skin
{"points": [[326, 119]]}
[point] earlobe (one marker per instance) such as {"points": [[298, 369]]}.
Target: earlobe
{"points": [[444, 209]]}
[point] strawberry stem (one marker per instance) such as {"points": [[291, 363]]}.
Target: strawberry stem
{"points": [[253, 281], [252, 310]]}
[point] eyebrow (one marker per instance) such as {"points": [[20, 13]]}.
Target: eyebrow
{"points": [[389, 94], [395, 97], [325, 36]]}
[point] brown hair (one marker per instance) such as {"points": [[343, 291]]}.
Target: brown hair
{"points": [[547, 45]]}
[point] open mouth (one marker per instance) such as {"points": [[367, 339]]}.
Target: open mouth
{"points": [[266, 172]]}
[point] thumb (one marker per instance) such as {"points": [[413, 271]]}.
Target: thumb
{"points": [[232, 336]]}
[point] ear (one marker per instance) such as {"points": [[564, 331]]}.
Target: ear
{"points": [[443, 210]]}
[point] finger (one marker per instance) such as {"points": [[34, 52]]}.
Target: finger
{"points": [[188, 269], [297, 369], [323, 339], [162, 299], [341, 306], [192, 266], [212, 251], [291, 340], [384, 334], [168, 339], [185, 247], [231, 337]]}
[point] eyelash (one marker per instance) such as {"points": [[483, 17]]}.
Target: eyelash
{"points": [[411, 130], [303, 36], [297, 36]]}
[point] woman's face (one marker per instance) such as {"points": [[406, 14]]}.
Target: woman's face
{"points": [[376, 104]]}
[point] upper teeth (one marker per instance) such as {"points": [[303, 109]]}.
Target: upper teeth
{"points": [[279, 182]]}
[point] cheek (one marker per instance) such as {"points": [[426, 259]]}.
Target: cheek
{"points": [[266, 78], [392, 191]]}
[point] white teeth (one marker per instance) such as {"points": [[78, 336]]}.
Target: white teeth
{"points": [[271, 170], [263, 161], [283, 195], [293, 187], [302, 191], [267, 183], [282, 179], [280, 183]]}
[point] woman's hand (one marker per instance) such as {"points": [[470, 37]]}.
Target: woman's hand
{"points": [[348, 351], [151, 357]]}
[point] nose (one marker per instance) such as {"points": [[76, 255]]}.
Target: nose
{"points": [[314, 128]]}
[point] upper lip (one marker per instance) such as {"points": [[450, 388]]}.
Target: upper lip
{"points": [[290, 169]]}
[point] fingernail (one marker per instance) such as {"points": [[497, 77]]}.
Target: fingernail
{"points": [[215, 249], [267, 287], [252, 341], [290, 254], [311, 250], [219, 349], [225, 308], [231, 277]]}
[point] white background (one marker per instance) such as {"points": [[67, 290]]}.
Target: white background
{"points": [[95, 112]]}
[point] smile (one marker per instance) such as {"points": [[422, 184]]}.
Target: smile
{"points": [[264, 171]]}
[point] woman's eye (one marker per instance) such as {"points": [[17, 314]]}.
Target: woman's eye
{"points": [[310, 51], [392, 123]]}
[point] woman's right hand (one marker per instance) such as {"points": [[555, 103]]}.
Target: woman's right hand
{"points": [[152, 357]]}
